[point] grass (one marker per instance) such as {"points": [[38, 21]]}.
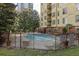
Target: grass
{"points": [[30, 52]]}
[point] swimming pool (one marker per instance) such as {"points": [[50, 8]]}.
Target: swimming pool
{"points": [[42, 41], [40, 37]]}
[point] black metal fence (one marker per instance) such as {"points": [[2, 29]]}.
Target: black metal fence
{"points": [[69, 40]]}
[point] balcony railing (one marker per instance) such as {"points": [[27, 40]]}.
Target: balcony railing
{"points": [[49, 23], [49, 6]]}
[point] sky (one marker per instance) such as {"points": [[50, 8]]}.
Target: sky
{"points": [[36, 7]]}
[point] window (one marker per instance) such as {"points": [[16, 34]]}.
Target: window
{"points": [[63, 21], [65, 11], [77, 6], [41, 19], [49, 14], [49, 22], [62, 4], [41, 14], [53, 14], [58, 5], [58, 13], [77, 18], [41, 3], [53, 5], [45, 11], [78, 30], [45, 23], [41, 24], [45, 17], [58, 21], [53, 22]]}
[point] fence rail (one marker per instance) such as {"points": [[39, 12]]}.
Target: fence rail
{"points": [[62, 41]]}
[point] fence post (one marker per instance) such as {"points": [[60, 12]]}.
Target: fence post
{"points": [[15, 40], [20, 39], [55, 42]]}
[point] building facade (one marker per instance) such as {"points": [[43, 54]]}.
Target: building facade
{"points": [[22, 6], [45, 15], [60, 14]]}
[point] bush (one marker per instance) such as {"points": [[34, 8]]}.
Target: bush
{"points": [[65, 30]]}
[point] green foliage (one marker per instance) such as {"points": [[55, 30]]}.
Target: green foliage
{"points": [[66, 28], [7, 16], [27, 22], [15, 25]]}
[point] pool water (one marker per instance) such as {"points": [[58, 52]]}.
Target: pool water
{"points": [[41, 37]]}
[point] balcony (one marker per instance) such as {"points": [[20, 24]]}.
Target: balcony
{"points": [[48, 11], [48, 14], [49, 6], [49, 23], [48, 17]]}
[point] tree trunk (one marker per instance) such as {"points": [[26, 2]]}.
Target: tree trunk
{"points": [[8, 40], [2, 39]]}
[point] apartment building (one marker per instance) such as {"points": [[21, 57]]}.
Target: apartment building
{"points": [[22, 6], [45, 15], [61, 14]]}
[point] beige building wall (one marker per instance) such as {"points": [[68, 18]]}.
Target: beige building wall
{"points": [[69, 16], [57, 20], [43, 20]]}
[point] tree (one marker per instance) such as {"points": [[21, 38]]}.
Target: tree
{"points": [[7, 17], [15, 25], [69, 26], [65, 30], [28, 20], [35, 19]]}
